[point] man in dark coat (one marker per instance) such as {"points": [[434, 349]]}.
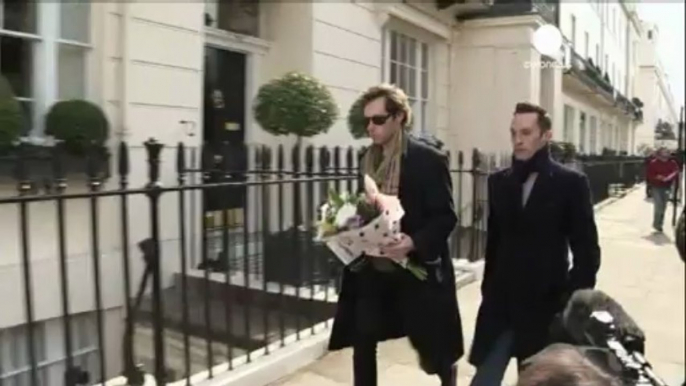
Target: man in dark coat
{"points": [[380, 300], [538, 210]]}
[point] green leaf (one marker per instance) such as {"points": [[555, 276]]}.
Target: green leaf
{"points": [[335, 199], [295, 104]]}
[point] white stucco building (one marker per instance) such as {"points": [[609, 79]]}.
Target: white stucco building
{"points": [[652, 87], [153, 66], [602, 37]]}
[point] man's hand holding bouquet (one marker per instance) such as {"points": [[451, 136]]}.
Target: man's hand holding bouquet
{"points": [[357, 227]]}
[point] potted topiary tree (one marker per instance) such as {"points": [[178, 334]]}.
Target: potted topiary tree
{"points": [[294, 104], [83, 129], [11, 120], [356, 121]]}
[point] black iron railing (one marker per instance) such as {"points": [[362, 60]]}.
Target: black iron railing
{"points": [[548, 10], [255, 278]]}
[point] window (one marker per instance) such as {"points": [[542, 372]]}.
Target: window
{"points": [[15, 366], [582, 132], [614, 20], [593, 143], [573, 37], [586, 45], [85, 342], [44, 59], [597, 56], [569, 124], [408, 64], [620, 82], [14, 355], [650, 35], [237, 16], [606, 66]]}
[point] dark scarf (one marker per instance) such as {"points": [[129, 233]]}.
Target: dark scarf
{"points": [[521, 169]]}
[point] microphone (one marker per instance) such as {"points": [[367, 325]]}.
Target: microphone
{"points": [[635, 367], [609, 335], [577, 321]]}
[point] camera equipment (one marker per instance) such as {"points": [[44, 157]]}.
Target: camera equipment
{"points": [[635, 369]]}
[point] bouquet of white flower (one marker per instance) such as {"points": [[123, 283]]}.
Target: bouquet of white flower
{"points": [[354, 226]]}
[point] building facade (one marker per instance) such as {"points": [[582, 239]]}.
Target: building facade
{"points": [[601, 37], [653, 88], [173, 70]]}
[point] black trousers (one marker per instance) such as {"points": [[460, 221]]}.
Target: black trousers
{"points": [[379, 296]]}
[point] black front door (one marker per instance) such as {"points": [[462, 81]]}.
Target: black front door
{"points": [[224, 129]]}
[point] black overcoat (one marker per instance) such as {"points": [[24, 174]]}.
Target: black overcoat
{"points": [[428, 314], [527, 276]]}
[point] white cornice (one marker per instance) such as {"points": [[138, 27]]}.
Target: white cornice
{"points": [[244, 43], [505, 21], [413, 16]]}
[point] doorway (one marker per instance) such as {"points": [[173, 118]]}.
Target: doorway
{"points": [[224, 121]]}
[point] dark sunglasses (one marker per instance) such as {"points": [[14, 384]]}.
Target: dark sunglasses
{"points": [[376, 119]]}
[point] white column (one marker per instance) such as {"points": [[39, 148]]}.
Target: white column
{"points": [[46, 71]]}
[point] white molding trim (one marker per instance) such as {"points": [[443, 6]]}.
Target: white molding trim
{"points": [[235, 42], [505, 21], [420, 19]]}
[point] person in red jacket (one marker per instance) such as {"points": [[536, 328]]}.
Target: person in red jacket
{"points": [[661, 174], [647, 160]]}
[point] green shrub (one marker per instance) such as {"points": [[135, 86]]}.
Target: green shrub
{"points": [[78, 123], [295, 104], [5, 89], [563, 151], [11, 119], [356, 121]]}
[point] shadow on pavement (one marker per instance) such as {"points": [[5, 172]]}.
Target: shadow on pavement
{"points": [[658, 238]]}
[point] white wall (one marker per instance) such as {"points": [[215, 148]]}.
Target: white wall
{"points": [[606, 25], [346, 56], [613, 131], [490, 75], [652, 87], [145, 89]]}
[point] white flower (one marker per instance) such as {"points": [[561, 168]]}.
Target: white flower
{"points": [[344, 214], [323, 210]]}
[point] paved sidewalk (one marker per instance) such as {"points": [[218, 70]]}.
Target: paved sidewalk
{"points": [[641, 270]]}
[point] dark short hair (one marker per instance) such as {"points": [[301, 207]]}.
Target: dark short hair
{"points": [[544, 121], [396, 100]]}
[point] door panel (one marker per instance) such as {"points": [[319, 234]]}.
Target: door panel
{"points": [[224, 127]]}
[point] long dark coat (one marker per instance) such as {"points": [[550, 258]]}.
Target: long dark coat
{"points": [[428, 313], [526, 276]]}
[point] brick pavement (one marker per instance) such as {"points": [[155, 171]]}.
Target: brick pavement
{"points": [[641, 270]]}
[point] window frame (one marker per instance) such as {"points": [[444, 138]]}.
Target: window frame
{"points": [[586, 44], [81, 324], [582, 132], [47, 42], [421, 122], [569, 117], [593, 137]]}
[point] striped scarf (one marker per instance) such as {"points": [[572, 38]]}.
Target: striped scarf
{"points": [[384, 168]]}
